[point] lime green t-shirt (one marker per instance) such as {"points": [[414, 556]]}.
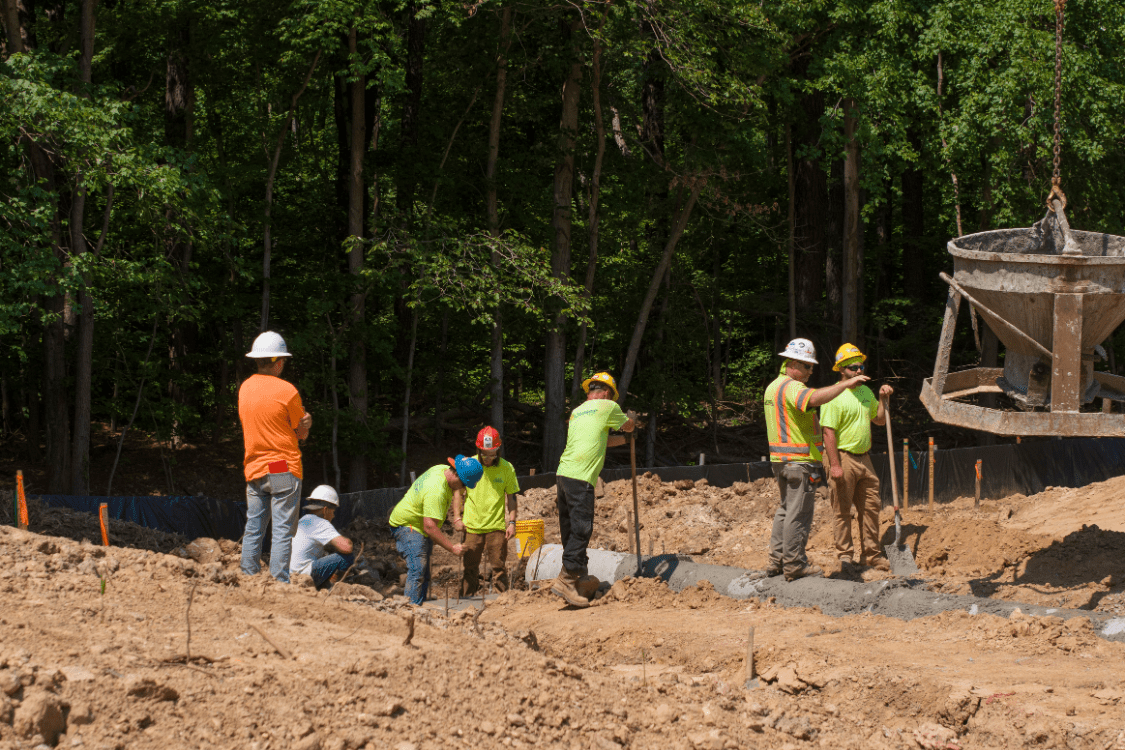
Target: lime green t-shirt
{"points": [[586, 437], [850, 415], [484, 504], [428, 497]]}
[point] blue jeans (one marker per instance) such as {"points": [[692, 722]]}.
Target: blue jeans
{"points": [[328, 566], [416, 549], [283, 511]]}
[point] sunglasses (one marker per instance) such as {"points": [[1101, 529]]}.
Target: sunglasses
{"points": [[855, 368]]}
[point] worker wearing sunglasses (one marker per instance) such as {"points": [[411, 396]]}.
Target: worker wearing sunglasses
{"points": [[853, 483]]}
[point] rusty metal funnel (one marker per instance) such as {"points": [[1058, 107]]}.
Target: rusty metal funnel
{"points": [[1051, 295]]}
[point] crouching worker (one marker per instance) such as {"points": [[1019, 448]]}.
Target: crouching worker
{"points": [[490, 515], [318, 549], [416, 520]]}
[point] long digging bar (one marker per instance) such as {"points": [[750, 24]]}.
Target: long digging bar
{"points": [[898, 554], [636, 507]]}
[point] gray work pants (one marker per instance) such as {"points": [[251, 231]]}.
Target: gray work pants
{"points": [[797, 483]]}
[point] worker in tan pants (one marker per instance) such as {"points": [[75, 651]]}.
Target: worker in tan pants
{"points": [[853, 484]]}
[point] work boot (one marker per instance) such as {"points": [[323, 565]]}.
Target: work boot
{"points": [[773, 570], [880, 563], [806, 571], [564, 587]]}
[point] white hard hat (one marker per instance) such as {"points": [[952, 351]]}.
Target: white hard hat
{"points": [[269, 344], [801, 350], [325, 496]]}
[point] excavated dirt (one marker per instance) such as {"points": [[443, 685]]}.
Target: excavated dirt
{"points": [[95, 642]]}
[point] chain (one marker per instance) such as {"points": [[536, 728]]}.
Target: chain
{"points": [[1060, 6]]}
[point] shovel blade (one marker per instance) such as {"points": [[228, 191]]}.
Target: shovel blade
{"points": [[901, 560]]}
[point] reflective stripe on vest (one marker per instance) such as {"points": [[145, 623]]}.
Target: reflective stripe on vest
{"points": [[787, 448]]}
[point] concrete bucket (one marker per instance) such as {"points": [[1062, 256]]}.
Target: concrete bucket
{"points": [[1051, 295]]}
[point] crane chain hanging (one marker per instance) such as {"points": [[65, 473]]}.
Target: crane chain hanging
{"points": [[1056, 177]]}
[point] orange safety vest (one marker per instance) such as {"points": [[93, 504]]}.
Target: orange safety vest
{"points": [[794, 433]]}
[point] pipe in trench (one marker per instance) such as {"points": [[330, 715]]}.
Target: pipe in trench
{"points": [[904, 599]]}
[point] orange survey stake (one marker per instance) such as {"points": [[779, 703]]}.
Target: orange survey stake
{"points": [[103, 519], [21, 498]]}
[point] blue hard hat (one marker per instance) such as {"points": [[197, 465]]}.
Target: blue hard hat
{"points": [[469, 470]]}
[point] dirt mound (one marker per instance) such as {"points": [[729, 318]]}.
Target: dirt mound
{"points": [[78, 526]]}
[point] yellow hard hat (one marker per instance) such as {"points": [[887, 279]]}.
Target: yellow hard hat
{"points": [[848, 352], [601, 377]]}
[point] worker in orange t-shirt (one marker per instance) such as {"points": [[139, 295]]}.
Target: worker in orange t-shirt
{"points": [[273, 420]]}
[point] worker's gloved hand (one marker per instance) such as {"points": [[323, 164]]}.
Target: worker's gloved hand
{"points": [[631, 415]]}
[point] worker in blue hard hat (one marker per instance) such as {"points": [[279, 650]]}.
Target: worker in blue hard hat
{"points": [[416, 520]]}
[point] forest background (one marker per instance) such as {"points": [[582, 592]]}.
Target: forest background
{"points": [[454, 212]]}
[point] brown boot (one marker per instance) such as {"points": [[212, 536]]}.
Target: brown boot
{"points": [[564, 587]]}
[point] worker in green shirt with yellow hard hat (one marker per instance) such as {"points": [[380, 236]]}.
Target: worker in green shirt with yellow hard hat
{"points": [[587, 438], [853, 483]]}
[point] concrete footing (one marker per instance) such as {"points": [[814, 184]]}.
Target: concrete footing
{"points": [[904, 599]]}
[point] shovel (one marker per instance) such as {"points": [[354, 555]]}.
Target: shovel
{"points": [[898, 554], [636, 510]]}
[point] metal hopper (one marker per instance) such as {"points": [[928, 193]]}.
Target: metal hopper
{"points": [[1052, 295]]}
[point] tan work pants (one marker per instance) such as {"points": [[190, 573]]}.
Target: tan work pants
{"points": [[858, 489], [494, 545]]}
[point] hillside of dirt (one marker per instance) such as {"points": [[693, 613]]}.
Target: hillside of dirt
{"points": [[97, 653]]}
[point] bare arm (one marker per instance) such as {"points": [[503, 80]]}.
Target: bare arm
{"points": [[513, 506], [304, 426], [614, 441], [822, 396], [833, 452], [341, 544], [433, 531], [881, 415], [458, 505]]}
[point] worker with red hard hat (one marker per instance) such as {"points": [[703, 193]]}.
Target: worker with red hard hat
{"points": [[489, 519]]}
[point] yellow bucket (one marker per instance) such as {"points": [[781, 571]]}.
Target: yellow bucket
{"points": [[529, 537]]}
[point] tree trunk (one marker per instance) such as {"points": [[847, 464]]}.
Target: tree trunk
{"points": [[834, 245], [592, 220], [267, 241], [654, 286], [439, 433], [83, 374], [811, 207], [914, 266], [851, 310], [402, 475], [496, 357], [554, 427], [357, 369], [411, 111], [792, 232]]}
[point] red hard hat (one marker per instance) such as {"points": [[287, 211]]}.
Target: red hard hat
{"points": [[488, 439]]}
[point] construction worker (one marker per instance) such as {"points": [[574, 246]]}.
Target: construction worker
{"points": [[416, 520], [273, 420], [587, 438], [318, 549], [847, 421], [490, 515], [794, 440]]}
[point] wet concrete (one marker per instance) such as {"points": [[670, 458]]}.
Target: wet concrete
{"points": [[902, 598]]}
